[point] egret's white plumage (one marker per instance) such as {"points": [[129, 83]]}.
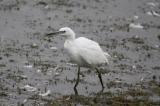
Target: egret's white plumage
{"points": [[84, 52]]}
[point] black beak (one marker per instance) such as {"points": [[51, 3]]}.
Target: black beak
{"points": [[55, 33]]}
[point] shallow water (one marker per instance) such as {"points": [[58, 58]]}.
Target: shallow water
{"points": [[28, 57]]}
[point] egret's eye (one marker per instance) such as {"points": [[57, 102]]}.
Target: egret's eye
{"points": [[64, 31]]}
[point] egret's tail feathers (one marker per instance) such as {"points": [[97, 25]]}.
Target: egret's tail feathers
{"points": [[107, 57]]}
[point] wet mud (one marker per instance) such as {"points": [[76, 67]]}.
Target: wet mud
{"points": [[35, 69]]}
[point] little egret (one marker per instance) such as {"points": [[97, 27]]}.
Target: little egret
{"points": [[83, 51]]}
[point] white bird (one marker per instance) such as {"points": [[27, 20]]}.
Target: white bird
{"points": [[83, 51]]}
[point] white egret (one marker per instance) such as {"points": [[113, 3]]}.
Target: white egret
{"points": [[83, 51]]}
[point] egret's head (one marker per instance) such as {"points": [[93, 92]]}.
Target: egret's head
{"points": [[67, 32]]}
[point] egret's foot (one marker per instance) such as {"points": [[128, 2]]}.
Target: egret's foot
{"points": [[75, 91], [77, 82], [102, 88], [100, 78]]}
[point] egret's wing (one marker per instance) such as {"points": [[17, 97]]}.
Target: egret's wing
{"points": [[90, 51], [87, 43]]}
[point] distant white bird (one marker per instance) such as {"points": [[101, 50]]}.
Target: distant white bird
{"points": [[83, 51]]}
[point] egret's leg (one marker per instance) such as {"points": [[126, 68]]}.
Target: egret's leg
{"points": [[100, 77], [77, 81]]}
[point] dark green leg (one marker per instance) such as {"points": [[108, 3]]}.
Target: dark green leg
{"points": [[100, 78], [77, 81]]}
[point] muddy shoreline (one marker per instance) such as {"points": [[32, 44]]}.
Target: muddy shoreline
{"points": [[35, 70]]}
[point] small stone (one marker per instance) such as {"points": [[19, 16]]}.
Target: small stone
{"points": [[34, 45]]}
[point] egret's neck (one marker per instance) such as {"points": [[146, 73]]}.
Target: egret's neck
{"points": [[71, 37]]}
